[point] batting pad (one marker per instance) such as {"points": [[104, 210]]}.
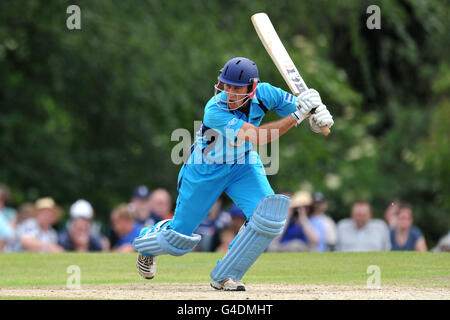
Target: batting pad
{"points": [[166, 241], [266, 223]]}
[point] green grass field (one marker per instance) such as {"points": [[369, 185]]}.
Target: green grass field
{"points": [[397, 268]]}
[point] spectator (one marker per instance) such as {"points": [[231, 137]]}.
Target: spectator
{"points": [[238, 218], [390, 214], [24, 212], [78, 236], [231, 222], [319, 207], [6, 232], [443, 244], [141, 205], [36, 234], [361, 232], [125, 227], [405, 236], [210, 227], [161, 203], [7, 212], [226, 236], [303, 232]]}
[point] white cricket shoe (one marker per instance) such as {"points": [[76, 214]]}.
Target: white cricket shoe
{"points": [[229, 284], [146, 266]]}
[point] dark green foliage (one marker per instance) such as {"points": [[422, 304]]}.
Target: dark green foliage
{"points": [[89, 113]]}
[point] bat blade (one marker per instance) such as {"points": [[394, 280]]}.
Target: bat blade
{"points": [[276, 50]]}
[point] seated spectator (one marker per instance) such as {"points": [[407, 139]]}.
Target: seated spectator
{"points": [[405, 236], [319, 207], [232, 220], [36, 234], [226, 236], [238, 218], [78, 236], [6, 232], [390, 214], [125, 227], [209, 228], [443, 245], [361, 232], [8, 213], [24, 212], [140, 203], [161, 204], [302, 232]]}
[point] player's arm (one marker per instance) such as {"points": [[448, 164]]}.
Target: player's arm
{"points": [[284, 103], [267, 132], [303, 105]]}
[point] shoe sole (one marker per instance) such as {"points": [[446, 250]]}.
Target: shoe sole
{"points": [[221, 288], [143, 276]]}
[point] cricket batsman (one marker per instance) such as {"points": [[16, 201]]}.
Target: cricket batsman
{"points": [[222, 159]]}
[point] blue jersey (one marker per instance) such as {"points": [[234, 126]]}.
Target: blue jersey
{"points": [[216, 141]]}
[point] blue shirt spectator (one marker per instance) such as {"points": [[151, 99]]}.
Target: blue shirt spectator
{"points": [[6, 231], [405, 236], [414, 235], [297, 231], [129, 237], [125, 228]]}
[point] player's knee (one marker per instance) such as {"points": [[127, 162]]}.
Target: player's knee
{"points": [[269, 217]]}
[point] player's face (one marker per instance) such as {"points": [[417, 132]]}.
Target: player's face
{"points": [[235, 94]]}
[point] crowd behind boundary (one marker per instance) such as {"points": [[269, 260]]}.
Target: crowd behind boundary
{"points": [[30, 226]]}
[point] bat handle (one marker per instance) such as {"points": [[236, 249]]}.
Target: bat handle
{"points": [[325, 130]]}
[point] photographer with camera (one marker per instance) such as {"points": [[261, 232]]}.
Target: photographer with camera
{"points": [[303, 231]]}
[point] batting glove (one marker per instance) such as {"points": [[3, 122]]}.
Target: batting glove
{"points": [[306, 101], [321, 117]]}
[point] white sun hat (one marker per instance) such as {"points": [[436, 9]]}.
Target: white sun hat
{"points": [[81, 209]]}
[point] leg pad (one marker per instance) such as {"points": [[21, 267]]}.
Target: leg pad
{"points": [[165, 241], [266, 223]]}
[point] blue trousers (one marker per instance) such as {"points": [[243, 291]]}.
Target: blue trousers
{"points": [[200, 185]]}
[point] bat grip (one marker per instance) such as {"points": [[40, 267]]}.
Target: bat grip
{"points": [[325, 130]]}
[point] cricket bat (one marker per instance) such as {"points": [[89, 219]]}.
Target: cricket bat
{"points": [[280, 57]]}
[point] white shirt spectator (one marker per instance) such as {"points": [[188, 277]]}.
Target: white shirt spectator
{"points": [[330, 229], [30, 227], [373, 236]]}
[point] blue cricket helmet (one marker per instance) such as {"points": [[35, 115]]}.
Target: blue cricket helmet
{"points": [[239, 71]]}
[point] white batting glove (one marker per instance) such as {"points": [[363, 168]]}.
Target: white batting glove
{"points": [[306, 101], [321, 117]]}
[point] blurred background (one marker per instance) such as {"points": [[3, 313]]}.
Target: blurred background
{"points": [[89, 113]]}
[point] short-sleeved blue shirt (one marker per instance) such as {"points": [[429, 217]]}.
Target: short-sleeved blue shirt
{"points": [[296, 231], [215, 142], [414, 235], [128, 239]]}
